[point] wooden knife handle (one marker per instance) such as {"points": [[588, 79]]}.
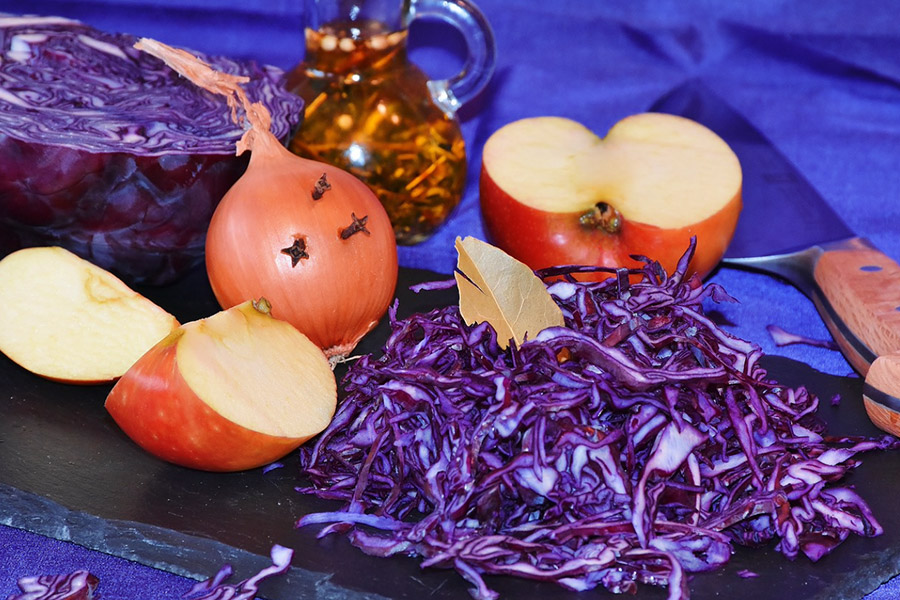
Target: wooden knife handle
{"points": [[881, 394], [862, 287]]}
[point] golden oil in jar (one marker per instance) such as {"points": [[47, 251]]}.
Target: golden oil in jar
{"points": [[370, 112]]}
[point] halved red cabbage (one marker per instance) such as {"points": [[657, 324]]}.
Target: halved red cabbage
{"points": [[106, 151], [635, 445]]}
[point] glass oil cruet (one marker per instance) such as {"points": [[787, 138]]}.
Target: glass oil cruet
{"points": [[372, 112]]}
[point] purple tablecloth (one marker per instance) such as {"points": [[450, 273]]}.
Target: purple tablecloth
{"points": [[821, 80]]}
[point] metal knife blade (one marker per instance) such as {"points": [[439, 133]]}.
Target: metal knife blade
{"points": [[787, 229], [776, 196]]}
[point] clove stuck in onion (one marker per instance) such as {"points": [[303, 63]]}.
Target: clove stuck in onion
{"points": [[308, 236]]}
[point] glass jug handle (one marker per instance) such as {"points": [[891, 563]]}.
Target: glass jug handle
{"points": [[452, 93]]}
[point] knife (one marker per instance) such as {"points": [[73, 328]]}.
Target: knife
{"points": [[854, 286]]}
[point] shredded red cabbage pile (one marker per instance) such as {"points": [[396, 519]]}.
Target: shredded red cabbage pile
{"points": [[637, 444]]}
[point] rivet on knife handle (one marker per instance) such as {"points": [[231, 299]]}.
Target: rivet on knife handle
{"points": [[862, 285], [881, 393]]}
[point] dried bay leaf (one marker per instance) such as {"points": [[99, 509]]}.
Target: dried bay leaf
{"points": [[495, 287]]}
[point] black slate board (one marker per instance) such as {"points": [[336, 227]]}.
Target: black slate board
{"points": [[67, 471]]}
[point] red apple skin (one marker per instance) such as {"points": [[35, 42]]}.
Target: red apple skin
{"points": [[543, 239], [157, 409]]}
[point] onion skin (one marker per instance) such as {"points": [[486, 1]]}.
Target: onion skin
{"points": [[344, 287]]}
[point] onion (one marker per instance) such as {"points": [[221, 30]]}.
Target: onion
{"points": [[310, 237]]}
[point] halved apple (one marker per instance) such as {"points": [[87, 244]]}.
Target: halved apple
{"points": [[554, 193], [69, 320], [234, 391]]}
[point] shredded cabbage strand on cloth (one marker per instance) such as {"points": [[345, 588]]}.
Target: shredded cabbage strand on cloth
{"points": [[635, 445], [82, 585], [78, 585], [217, 588]]}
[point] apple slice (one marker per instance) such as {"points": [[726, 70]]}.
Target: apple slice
{"points": [[554, 193], [69, 320], [234, 391]]}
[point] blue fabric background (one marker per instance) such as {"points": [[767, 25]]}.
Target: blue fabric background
{"points": [[820, 79]]}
